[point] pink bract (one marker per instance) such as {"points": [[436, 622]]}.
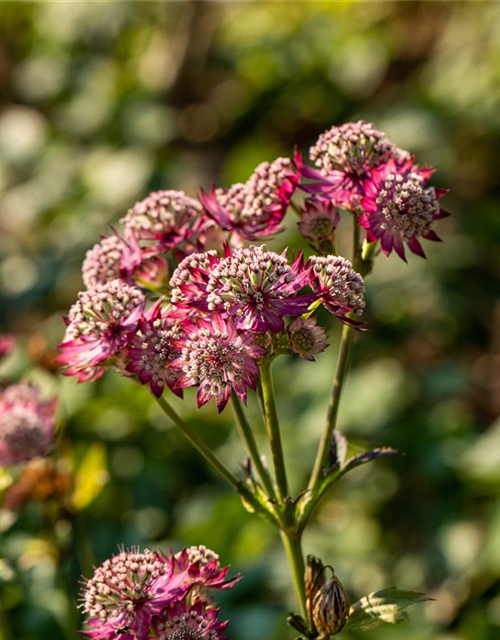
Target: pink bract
{"points": [[399, 208]]}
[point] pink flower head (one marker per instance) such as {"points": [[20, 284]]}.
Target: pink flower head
{"points": [[27, 424], [256, 208], [100, 323], [344, 156], [152, 349], [182, 622], [319, 219], [340, 288], [115, 257], [127, 591], [165, 217], [7, 345], [217, 358], [399, 208], [189, 283], [307, 339], [258, 288]]}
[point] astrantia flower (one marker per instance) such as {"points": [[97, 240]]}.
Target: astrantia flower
{"points": [[258, 288], [27, 424], [307, 339], [344, 155], [7, 345], [100, 323], [400, 208], [181, 622], [217, 358], [115, 257], [340, 288], [152, 349], [126, 591], [189, 283], [319, 219], [165, 217], [135, 595], [255, 208]]}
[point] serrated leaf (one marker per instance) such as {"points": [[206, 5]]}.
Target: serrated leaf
{"points": [[382, 607], [91, 476]]}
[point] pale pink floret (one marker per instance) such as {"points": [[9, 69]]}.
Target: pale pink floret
{"points": [[27, 424], [307, 339], [168, 218], [217, 358], [344, 155], [340, 288], [258, 288], [134, 594], [99, 324], [399, 208], [256, 208]]}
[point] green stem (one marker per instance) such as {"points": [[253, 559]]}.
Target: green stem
{"points": [[199, 445], [273, 430], [333, 406], [251, 445], [293, 549]]}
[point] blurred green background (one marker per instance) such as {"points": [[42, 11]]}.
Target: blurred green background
{"points": [[103, 102]]}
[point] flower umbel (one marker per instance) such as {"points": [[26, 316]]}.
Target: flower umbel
{"points": [[344, 155], [340, 288], [217, 358], [258, 288], [27, 424], [399, 208], [319, 220], [181, 622], [100, 323], [307, 339], [166, 217], [152, 349], [255, 208]]}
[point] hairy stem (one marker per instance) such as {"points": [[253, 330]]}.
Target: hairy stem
{"points": [[199, 445], [273, 430], [251, 445], [333, 406], [293, 549]]}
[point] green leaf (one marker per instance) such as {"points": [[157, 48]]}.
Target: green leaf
{"points": [[91, 476], [382, 607]]}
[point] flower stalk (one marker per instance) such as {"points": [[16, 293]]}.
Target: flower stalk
{"points": [[199, 444], [248, 438], [273, 430]]}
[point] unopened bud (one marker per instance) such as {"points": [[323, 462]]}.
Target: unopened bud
{"points": [[314, 579], [330, 608]]}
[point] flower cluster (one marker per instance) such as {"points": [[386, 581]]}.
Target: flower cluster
{"points": [[163, 304], [256, 208], [27, 424], [138, 595]]}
